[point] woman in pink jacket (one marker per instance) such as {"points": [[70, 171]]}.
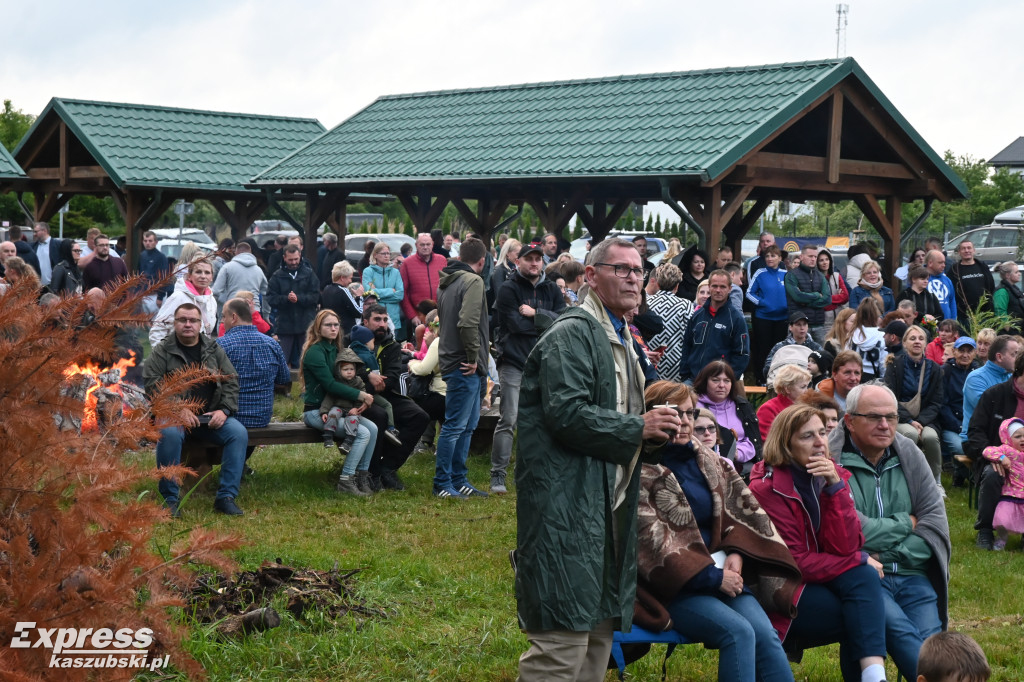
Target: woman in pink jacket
{"points": [[807, 498]]}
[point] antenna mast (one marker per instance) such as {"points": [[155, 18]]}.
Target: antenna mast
{"points": [[842, 12]]}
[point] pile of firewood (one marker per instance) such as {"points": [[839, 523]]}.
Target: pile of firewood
{"points": [[241, 604]]}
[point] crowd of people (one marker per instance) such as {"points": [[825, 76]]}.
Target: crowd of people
{"points": [[644, 474], [820, 518]]}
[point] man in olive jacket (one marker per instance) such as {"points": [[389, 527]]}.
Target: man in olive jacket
{"points": [[581, 430], [187, 346], [462, 353]]}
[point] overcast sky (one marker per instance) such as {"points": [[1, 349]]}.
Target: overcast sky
{"points": [[954, 69]]}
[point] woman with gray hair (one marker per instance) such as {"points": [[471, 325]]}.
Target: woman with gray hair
{"points": [[1008, 298], [791, 381], [338, 297]]}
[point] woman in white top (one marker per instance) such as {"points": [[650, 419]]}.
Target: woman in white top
{"points": [[869, 341], [195, 288]]}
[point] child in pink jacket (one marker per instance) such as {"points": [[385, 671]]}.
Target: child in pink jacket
{"points": [[1009, 517]]}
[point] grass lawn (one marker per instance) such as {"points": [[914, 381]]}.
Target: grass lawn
{"points": [[440, 570]]}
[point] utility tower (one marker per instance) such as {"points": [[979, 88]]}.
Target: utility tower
{"points": [[842, 13]]}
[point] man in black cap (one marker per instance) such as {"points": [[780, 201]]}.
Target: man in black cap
{"points": [[525, 306], [798, 336], [893, 336]]}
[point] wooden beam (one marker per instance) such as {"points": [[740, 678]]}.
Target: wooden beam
{"points": [[872, 210], [318, 210], [121, 204], [27, 156], [712, 200], [818, 164], [738, 227], [835, 136], [735, 202], [488, 214], [73, 173], [63, 153], [690, 199], [423, 210], [893, 137], [783, 128], [141, 209], [553, 213], [882, 221], [891, 255], [810, 182], [603, 219], [47, 204]]}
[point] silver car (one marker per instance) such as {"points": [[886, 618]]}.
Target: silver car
{"points": [[992, 243]]}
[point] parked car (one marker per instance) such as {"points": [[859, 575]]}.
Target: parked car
{"points": [[172, 247], [355, 245], [191, 234], [992, 243], [263, 239], [1014, 216], [655, 245]]}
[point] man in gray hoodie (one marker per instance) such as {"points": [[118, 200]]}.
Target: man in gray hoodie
{"points": [[241, 273], [463, 360]]}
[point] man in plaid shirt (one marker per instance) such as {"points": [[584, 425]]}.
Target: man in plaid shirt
{"points": [[257, 358]]}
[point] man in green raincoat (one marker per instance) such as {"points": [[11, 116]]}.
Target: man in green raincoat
{"points": [[581, 431]]}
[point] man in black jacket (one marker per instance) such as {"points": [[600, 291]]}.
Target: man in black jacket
{"points": [[996, 404], [293, 292], [526, 305], [410, 419], [971, 280]]}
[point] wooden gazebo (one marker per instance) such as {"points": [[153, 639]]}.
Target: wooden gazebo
{"points": [[147, 157], [717, 146]]}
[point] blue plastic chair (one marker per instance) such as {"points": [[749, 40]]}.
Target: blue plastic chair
{"points": [[638, 635]]}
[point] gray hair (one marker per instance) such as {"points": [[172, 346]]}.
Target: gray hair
{"points": [[790, 375], [330, 238], [853, 397], [907, 304], [597, 254], [342, 269]]}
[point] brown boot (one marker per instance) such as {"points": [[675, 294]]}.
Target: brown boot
{"points": [[347, 484]]}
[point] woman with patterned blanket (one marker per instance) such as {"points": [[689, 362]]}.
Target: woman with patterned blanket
{"points": [[709, 560]]}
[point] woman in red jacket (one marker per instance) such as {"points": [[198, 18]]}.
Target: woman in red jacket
{"points": [[807, 498], [790, 383]]}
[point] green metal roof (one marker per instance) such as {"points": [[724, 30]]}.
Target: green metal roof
{"points": [[9, 168], [149, 146], [692, 123]]}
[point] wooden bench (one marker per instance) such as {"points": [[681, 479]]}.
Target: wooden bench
{"points": [[202, 456], [757, 395]]}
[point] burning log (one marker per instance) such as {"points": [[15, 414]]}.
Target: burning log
{"points": [[104, 395]]}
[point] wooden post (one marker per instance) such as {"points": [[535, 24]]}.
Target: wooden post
{"points": [[603, 219], [891, 257], [488, 214], [424, 211]]}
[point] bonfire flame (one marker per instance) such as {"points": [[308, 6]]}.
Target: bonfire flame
{"points": [[100, 389]]}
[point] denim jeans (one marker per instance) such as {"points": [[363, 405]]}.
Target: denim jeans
{"points": [[951, 444], [361, 453], [848, 609], [911, 616], [461, 415], [232, 435], [749, 648], [501, 451]]}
